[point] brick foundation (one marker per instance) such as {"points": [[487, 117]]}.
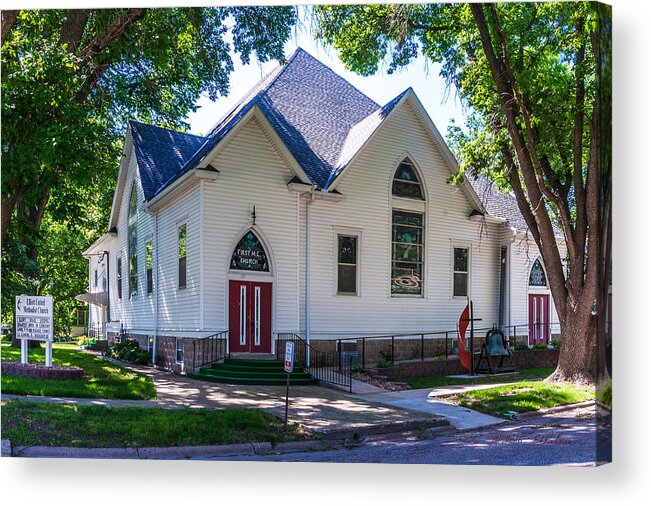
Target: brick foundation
{"points": [[523, 360]]}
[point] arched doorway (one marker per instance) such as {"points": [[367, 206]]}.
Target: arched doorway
{"points": [[539, 310], [249, 295]]}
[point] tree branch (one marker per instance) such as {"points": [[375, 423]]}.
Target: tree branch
{"points": [[73, 28], [9, 19], [102, 41]]}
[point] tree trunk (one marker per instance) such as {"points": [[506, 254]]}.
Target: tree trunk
{"points": [[577, 346]]}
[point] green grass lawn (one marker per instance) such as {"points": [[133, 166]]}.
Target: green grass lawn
{"points": [[524, 396], [440, 381], [104, 380], [47, 424]]}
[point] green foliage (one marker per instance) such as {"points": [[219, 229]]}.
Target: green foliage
{"points": [[605, 393], [556, 344], [65, 107], [103, 380], [357, 368], [130, 351], [540, 346], [385, 364], [439, 381], [520, 347]]}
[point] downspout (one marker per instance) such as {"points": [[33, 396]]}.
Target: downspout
{"points": [[157, 287], [108, 292], [307, 274]]}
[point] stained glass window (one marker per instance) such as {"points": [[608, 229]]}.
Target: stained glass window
{"points": [[537, 274], [183, 239], [347, 264], [133, 242], [249, 254], [406, 182], [460, 272], [407, 253], [149, 264]]}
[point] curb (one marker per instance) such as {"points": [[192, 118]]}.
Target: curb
{"points": [[356, 433], [169, 453], [555, 409]]}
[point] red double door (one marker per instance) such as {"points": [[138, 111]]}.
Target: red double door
{"points": [[538, 318], [249, 316]]}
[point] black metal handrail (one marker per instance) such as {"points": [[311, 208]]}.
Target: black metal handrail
{"points": [[208, 350], [329, 367], [450, 336]]}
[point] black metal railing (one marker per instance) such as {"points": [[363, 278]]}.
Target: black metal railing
{"points": [[329, 367], [440, 344], [208, 350], [96, 331]]}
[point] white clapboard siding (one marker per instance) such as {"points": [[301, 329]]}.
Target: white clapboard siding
{"points": [[137, 312], [178, 309], [251, 173], [367, 206], [524, 253]]}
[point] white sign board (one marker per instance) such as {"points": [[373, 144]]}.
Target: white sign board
{"points": [[34, 318], [289, 356]]}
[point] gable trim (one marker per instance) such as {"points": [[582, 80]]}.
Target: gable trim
{"points": [[269, 132]]}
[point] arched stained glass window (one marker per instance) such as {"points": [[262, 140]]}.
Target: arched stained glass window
{"points": [[133, 242], [249, 254], [406, 182], [537, 274]]}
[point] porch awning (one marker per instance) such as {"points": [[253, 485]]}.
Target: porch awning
{"points": [[97, 298]]}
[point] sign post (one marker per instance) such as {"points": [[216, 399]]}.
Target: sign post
{"points": [[289, 367], [34, 321]]}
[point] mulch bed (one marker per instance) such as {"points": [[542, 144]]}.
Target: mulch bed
{"points": [[40, 371], [374, 378]]}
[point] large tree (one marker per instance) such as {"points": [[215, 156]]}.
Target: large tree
{"points": [[71, 79], [536, 79]]}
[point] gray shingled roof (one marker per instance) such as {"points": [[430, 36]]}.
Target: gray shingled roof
{"points": [[160, 154], [500, 204], [321, 118]]}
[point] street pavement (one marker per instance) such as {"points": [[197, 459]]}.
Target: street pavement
{"points": [[567, 438]]}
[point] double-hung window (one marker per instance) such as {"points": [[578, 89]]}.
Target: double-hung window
{"points": [[347, 260], [460, 272], [119, 276]]}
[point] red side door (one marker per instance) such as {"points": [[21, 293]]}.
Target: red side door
{"points": [[249, 316], [538, 318]]}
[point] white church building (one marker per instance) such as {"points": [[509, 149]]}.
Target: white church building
{"points": [[308, 209]]}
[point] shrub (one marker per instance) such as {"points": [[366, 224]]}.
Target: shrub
{"points": [[358, 368], [385, 364], [556, 343], [605, 393], [540, 346], [130, 351], [520, 347]]}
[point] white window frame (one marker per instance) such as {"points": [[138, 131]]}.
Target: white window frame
{"points": [[176, 351], [348, 232], [461, 245]]}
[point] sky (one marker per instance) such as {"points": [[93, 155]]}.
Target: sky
{"points": [[442, 105]]}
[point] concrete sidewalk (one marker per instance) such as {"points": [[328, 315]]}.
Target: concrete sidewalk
{"points": [[427, 400]]}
